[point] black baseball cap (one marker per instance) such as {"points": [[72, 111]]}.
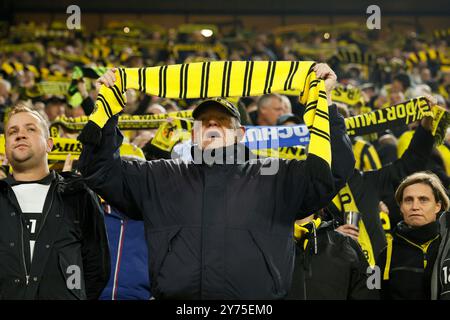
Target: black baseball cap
{"points": [[227, 105]]}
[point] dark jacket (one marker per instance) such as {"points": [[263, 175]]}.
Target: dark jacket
{"points": [[72, 234], [217, 231], [414, 252], [370, 187], [440, 280], [331, 267]]}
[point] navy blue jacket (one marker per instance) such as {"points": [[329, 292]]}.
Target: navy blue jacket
{"points": [[129, 258]]}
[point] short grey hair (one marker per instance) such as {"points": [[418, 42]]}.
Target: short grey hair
{"points": [[287, 103], [263, 100]]}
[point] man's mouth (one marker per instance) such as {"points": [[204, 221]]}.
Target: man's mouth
{"points": [[21, 145], [213, 134]]}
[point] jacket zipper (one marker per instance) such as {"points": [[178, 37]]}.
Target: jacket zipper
{"points": [[202, 259], [206, 173], [119, 256], [27, 276], [424, 249]]}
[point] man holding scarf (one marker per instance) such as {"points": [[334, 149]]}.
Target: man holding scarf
{"points": [[221, 227]]}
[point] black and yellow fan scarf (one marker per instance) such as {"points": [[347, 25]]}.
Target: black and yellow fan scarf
{"points": [[303, 231], [429, 55], [220, 79], [75, 98], [345, 201]]}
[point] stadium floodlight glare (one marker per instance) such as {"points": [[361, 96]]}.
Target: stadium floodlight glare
{"points": [[126, 29], [326, 35], [206, 33]]}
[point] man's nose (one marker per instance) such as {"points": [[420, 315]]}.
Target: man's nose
{"points": [[212, 123], [21, 134]]}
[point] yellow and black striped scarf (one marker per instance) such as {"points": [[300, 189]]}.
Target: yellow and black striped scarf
{"points": [[220, 79], [11, 69], [429, 55], [345, 202], [302, 231], [355, 55], [366, 156]]}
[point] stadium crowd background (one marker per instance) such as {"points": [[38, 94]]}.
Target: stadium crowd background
{"points": [[377, 67]]}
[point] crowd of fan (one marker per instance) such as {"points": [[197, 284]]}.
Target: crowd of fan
{"points": [[381, 68]]}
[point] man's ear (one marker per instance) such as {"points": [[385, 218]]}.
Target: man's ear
{"points": [[196, 132], [196, 136], [193, 136], [49, 145], [240, 133]]}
